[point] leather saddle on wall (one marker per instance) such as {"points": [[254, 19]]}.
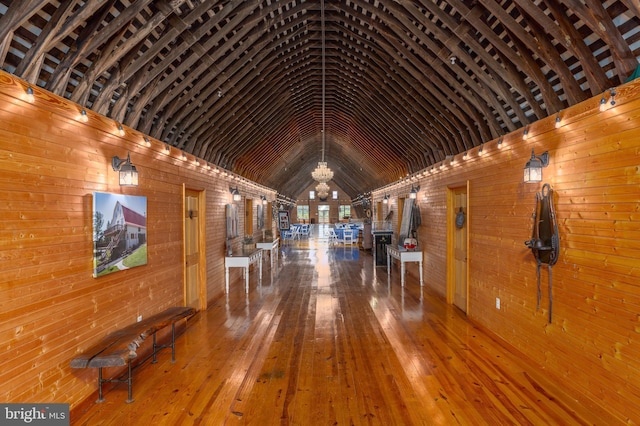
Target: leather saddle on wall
{"points": [[545, 242]]}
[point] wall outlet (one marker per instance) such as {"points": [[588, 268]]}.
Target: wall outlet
{"points": [[139, 318], [497, 303]]}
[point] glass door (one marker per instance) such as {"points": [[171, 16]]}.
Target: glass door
{"points": [[323, 214]]}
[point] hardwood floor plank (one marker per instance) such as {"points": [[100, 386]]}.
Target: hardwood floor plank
{"points": [[329, 339]]}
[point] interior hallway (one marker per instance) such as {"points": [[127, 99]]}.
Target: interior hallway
{"points": [[329, 339]]}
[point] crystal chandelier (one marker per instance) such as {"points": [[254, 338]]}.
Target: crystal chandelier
{"points": [[323, 190], [322, 173]]}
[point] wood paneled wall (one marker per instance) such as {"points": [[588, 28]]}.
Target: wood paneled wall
{"points": [[50, 305], [593, 343]]}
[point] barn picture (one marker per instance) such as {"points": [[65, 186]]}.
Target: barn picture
{"points": [[119, 232]]}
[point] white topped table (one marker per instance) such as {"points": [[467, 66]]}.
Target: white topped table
{"points": [[242, 260], [404, 256], [272, 246]]}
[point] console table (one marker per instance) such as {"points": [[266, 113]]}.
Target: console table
{"points": [[404, 256], [242, 260], [272, 246]]}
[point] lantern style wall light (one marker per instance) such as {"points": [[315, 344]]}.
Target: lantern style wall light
{"points": [[385, 199], [127, 171], [533, 168], [235, 193], [264, 199], [413, 194]]}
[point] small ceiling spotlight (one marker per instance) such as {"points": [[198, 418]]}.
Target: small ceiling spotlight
{"points": [[500, 143], [558, 121], [147, 142], [167, 148], [453, 59], [120, 129], [603, 103], [612, 101], [525, 134], [83, 116], [30, 97]]}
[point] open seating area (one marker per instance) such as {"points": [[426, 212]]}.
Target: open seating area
{"points": [[297, 231]]}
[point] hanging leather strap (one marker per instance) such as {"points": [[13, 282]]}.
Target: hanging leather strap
{"points": [[544, 242]]}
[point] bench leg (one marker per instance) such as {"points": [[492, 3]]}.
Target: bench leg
{"points": [[130, 384], [100, 381], [173, 342], [155, 349]]}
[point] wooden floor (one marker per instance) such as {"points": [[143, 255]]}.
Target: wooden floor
{"points": [[328, 339]]}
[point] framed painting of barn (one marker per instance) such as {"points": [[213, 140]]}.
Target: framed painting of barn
{"points": [[119, 232]]}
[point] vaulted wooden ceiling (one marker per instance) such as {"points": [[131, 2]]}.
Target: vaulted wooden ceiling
{"points": [[240, 83]]}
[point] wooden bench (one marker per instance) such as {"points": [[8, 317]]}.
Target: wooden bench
{"points": [[119, 348]]}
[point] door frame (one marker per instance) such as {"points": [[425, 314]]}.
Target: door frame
{"points": [[451, 228], [201, 195]]}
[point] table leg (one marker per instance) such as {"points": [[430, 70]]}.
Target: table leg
{"points": [[388, 263], [402, 272], [246, 279], [420, 263], [226, 276], [260, 262]]}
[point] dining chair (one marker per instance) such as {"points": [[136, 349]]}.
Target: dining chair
{"points": [[333, 237], [347, 236]]}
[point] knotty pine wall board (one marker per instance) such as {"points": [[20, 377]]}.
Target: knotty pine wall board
{"points": [[593, 343], [51, 306]]}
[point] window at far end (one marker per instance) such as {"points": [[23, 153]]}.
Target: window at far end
{"points": [[312, 195], [334, 195]]}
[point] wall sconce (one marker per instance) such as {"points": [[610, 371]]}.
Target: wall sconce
{"points": [[264, 200], [385, 199], [533, 168], [127, 171], [235, 193], [413, 194]]}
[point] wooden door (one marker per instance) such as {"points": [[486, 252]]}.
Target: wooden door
{"points": [[194, 285], [458, 247]]}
